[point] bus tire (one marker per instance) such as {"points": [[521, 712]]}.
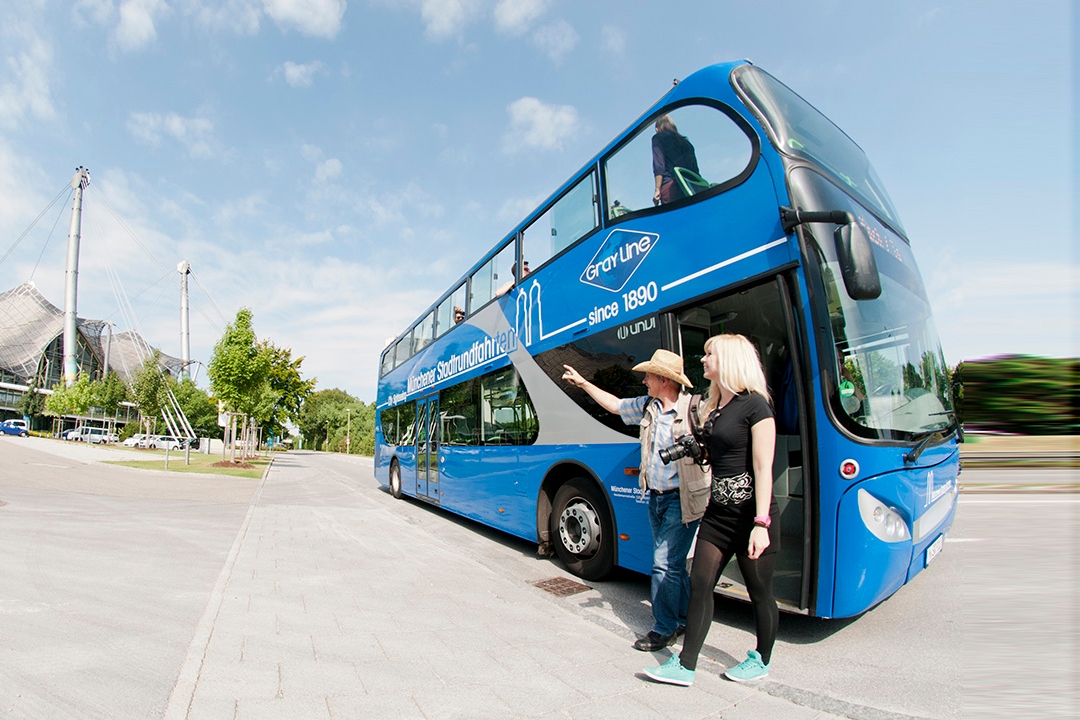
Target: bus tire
{"points": [[581, 530], [395, 480]]}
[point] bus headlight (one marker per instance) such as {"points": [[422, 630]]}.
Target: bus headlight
{"points": [[882, 521]]}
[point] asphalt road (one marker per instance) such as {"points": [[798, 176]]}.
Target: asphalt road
{"points": [[107, 570]]}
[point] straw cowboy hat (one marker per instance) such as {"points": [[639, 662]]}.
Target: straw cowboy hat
{"points": [[666, 364]]}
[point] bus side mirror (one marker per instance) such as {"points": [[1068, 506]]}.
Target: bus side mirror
{"points": [[857, 264]]}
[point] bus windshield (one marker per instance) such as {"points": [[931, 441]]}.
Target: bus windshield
{"points": [[797, 129], [890, 378]]}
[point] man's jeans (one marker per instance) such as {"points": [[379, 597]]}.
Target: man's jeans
{"points": [[670, 581]]}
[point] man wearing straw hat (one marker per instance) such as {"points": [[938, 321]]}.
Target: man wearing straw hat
{"points": [[678, 492]]}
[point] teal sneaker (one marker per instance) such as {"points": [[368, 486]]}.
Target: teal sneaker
{"points": [[749, 669], [672, 672]]}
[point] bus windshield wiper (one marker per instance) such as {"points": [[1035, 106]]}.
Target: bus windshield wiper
{"points": [[933, 437]]}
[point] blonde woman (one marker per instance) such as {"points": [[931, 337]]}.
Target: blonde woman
{"points": [[742, 518]]}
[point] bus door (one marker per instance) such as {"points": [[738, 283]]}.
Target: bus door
{"points": [[762, 314], [428, 432]]}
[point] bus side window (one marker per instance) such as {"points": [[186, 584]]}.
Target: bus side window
{"points": [[573, 216], [721, 150]]}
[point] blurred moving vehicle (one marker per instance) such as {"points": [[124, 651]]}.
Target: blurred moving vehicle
{"points": [[14, 427]]}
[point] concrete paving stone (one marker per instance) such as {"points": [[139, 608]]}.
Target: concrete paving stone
{"points": [[405, 645], [623, 707], [476, 636], [380, 677], [361, 647], [570, 652], [212, 709], [268, 648], [399, 707], [515, 661], [275, 604], [598, 679], [283, 709], [467, 666], [307, 624], [760, 706], [536, 694], [225, 646], [311, 678], [474, 702], [243, 680], [246, 622], [365, 622]]}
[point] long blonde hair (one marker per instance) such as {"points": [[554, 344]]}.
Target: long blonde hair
{"points": [[739, 368]]}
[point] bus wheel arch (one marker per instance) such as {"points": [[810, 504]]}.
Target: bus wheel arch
{"points": [[579, 522], [395, 479]]}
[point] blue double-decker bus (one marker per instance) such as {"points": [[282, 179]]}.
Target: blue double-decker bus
{"points": [[777, 229]]}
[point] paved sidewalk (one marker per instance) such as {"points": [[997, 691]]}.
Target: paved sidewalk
{"points": [[356, 612]]}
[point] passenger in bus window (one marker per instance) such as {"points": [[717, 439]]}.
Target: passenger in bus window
{"points": [[670, 150], [742, 517], [507, 287], [459, 315], [676, 480]]}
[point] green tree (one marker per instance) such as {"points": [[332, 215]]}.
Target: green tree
{"points": [[32, 403], [285, 390], [109, 392], [1020, 394], [238, 369], [149, 390], [328, 417], [74, 400], [199, 409]]}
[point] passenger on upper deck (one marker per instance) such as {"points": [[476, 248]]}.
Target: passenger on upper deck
{"points": [[670, 150]]}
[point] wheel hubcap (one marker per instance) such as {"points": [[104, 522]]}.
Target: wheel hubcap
{"points": [[579, 528]]}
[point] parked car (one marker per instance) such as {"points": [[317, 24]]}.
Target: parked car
{"points": [[97, 436], [8, 427], [168, 442], [137, 440], [75, 433]]}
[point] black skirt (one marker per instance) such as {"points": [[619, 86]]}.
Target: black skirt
{"points": [[728, 526]]}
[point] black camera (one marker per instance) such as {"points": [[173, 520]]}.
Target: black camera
{"points": [[685, 445]]}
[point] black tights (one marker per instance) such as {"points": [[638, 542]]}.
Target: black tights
{"points": [[709, 562]]}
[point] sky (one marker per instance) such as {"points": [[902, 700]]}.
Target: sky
{"points": [[335, 165]]}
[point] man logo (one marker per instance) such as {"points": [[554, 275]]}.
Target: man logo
{"points": [[618, 258]]}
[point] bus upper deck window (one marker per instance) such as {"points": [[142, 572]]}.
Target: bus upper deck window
{"points": [[677, 155]]}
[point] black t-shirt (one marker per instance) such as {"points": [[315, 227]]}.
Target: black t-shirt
{"points": [[730, 449]]}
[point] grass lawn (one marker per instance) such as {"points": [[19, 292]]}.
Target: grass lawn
{"points": [[199, 463]]}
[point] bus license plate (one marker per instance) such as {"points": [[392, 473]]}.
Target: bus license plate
{"points": [[934, 549]]}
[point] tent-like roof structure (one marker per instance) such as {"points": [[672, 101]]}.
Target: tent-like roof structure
{"points": [[32, 335]]}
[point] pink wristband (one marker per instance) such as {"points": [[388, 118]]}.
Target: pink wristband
{"points": [[763, 521]]}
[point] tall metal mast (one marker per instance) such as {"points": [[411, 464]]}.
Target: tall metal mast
{"points": [[184, 268], [79, 181]]}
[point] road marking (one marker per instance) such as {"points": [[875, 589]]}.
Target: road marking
{"points": [[1014, 501]]}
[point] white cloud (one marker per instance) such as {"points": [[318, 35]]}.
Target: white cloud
{"points": [[28, 62], [297, 75], [537, 125], [239, 16], [195, 134], [135, 29], [613, 40], [556, 40], [446, 18], [328, 170], [515, 16], [320, 18]]}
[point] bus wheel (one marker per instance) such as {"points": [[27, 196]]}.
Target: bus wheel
{"points": [[395, 480], [582, 531]]}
